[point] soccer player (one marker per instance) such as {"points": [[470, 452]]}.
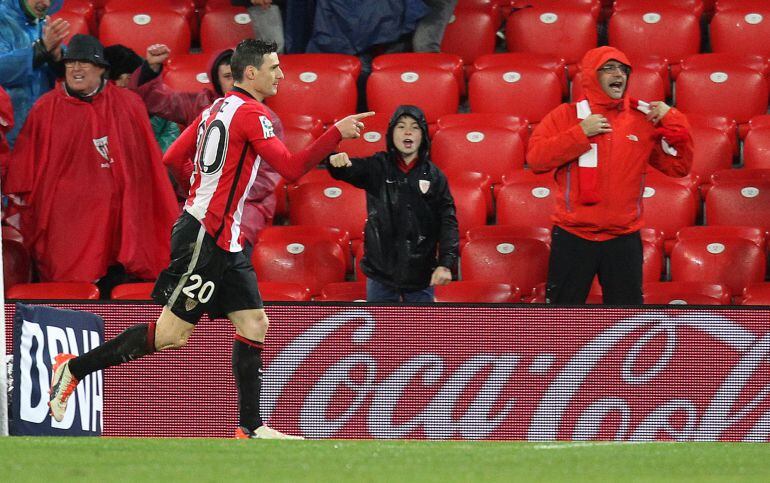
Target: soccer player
{"points": [[209, 271]]}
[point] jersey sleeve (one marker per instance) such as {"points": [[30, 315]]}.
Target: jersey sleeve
{"points": [[258, 129]]}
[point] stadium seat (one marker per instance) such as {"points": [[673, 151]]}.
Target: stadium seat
{"points": [[734, 262], [668, 206], [756, 146], [297, 139], [83, 10], [283, 292], [188, 73], [713, 151], [681, 293], [742, 28], [138, 31], [309, 80], [653, 261], [753, 234], [466, 291], [448, 62], [552, 29], [471, 32], [318, 175], [528, 203], [722, 85], [508, 89], [342, 292], [745, 203], [335, 204], [724, 124], [54, 291], [305, 233], [132, 291], [480, 120], [470, 203], [17, 263], [670, 33], [520, 262], [373, 137], [693, 6], [512, 61], [740, 175], [480, 180], [312, 264], [512, 231], [78, 23], [305, 122], [434, 90], [490, 150], [224, 28], [756, 294]]}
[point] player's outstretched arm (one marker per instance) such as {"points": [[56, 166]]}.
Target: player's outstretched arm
{"points": [[351, 126]]}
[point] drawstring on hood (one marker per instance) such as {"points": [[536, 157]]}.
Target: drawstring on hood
{"points": [[423, 153]]}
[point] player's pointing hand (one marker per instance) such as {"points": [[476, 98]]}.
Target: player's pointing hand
{"points": [[351, 126]]}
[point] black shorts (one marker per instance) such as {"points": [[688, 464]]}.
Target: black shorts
{"points": [[204, 278]]}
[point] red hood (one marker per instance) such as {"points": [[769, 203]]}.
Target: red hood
{"points": [[592, 60]]}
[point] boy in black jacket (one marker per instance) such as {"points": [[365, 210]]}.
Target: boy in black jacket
{"points": [[411, 239]]}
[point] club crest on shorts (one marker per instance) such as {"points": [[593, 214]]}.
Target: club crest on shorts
{"points": [[190, 304], [424, 185], [267, 127]]}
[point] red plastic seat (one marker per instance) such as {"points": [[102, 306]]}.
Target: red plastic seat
{"points": [[722, 123], [742, 28], [528, 203], [713, 151], [84, 10], [283, 292], [521, 262], [745, 203], [756, 294], [304, 233], [471, 32], [481, 120], [470, 203], [756, 147], [467, 291], [693, 6], [406, 61], [138, 31], [54, 291], [312, 264], [653, 261], [320, 85], [680, 293], [509, 89], [494, 150], [78, 23], [668, 206], [343, 292], [734, 262], [512, 231], [373, 137], [740, 175], [514, 60], [722, 85], [664, 31], [188, 73], [132, 291], [318, 175], [224, 28], [434, 90], [552, 29], [335, 204]]}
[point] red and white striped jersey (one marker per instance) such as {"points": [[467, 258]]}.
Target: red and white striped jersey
{"points": [[231, 139]]}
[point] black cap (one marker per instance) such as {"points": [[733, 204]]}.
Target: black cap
{"points": [[85, 48], [122, 60]]}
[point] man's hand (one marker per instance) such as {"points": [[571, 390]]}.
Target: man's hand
{"points": [[156, 55], [658, 110], [54, 34], [595, 124], [351, 126], [441, 276], [340, 160]]}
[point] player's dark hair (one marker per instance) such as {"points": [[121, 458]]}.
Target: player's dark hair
{"points": [[250, 52]]}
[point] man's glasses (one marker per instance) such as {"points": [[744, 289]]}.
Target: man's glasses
{"points": [[611, 69]]}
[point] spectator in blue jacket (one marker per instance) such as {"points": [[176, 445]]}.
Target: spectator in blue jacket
{"points": [[30, 48]]}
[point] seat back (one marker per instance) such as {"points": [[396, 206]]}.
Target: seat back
{"points": [[466, 291]]}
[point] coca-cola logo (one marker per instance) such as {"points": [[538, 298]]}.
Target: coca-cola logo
{"points": [[572, 374]]}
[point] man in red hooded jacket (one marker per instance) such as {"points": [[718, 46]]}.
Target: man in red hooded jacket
{"points": [[6, 124], [599, 149]]}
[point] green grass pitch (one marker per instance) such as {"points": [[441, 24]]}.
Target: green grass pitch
{"points": [[199, 460]]}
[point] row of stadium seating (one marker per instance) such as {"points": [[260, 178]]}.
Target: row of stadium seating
{"points": [[671, 29]]}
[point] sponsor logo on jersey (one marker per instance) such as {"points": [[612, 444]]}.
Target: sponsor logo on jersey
{"points": [[267, 127]]}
